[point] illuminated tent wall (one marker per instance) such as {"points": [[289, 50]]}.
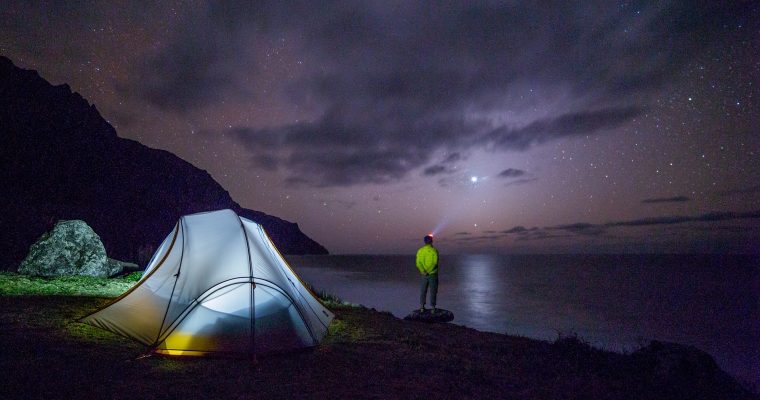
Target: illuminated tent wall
{"points": [[217, 284]]}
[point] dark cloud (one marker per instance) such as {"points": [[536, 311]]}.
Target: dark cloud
{"points": [[445, 166], [452, 158], [340, 150], [479, 238], [735, 229], [183, 77], [511, 173], [517, 229], [522, 181], [676, 199], [709, 217], [200, 64], [396, 90], [571, 124], [437, 170], [541, 235], [582, 228]]}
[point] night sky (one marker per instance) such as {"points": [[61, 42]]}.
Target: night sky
{"points": [[502, 127]]}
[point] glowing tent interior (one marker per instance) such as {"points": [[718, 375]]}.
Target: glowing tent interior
{"points": [[217, 284]]}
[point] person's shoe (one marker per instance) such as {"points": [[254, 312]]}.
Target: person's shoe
{"points": [[433, 311], [422, 309]]}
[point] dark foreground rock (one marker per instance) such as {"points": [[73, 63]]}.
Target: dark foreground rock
{"points": [[366, 354], [427, 315], [675, 367], [122, 267], [71, 248], [60, 160]]}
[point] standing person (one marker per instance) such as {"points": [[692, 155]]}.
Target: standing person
{"points": [[427, 264]]}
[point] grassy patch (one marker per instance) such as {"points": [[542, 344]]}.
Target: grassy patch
{"points": [[13, 284], [329, 299], [341, 331]]}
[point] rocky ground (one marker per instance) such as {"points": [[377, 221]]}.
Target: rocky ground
{"points": [[367, 354]]}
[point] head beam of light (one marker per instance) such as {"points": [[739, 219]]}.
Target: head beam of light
{"points": [[439, 226]]}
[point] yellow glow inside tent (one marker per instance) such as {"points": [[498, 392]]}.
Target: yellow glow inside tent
{"points": [[181, 340]]}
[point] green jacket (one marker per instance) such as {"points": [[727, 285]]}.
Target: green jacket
{"points": [[427, 260]]}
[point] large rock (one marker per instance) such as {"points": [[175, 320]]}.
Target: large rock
{"points": [[71, 248], [427, 315]]}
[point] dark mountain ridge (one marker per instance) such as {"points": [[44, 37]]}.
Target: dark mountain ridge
{"points": [[61, 160]]}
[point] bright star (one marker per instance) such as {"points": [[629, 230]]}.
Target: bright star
{"points": [[474, 179]]}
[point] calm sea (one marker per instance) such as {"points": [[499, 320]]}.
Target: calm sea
{"points": [[616, 302]]}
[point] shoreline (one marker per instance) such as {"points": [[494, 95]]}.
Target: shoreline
{"points": [[367, 354], [614, 303]]}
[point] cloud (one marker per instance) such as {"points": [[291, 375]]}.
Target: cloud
{"points": [[581, 229], [437, 170], [445, 167], [709, 217], [511, 173], [521, 181], [338, 151], [183, 77], [517, 229], [676, 199], [452, 158], [396, 85], [394, 95], [201, 61], [587, 229], [541, 235], [570, 124], [479, 238]]}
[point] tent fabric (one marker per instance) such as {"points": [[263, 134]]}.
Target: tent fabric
{"points": [[217, 284]]}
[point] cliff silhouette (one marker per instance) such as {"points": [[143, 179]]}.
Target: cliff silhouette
{"points": [[61, 160]]}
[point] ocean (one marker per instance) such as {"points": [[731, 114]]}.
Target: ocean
{"points": [[614, 302]]}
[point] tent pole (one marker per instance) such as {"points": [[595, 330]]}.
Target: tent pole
{"points": [[252, 308], [176, 278], [253, 320]]}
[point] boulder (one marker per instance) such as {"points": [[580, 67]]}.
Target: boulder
{"points": [[71, 248], [427, 315]]}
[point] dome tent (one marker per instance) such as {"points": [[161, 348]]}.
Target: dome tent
{"points": [[217, 284]]}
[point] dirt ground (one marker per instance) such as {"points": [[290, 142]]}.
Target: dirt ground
{"points": [[367, 354]]}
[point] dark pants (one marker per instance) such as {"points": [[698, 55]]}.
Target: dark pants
{"points": [[432, 281]]}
